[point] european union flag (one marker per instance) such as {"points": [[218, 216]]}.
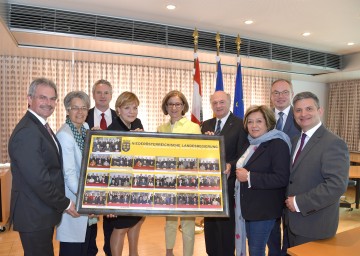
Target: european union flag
{"points": [[238, 98]]}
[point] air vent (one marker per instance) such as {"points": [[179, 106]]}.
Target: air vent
{"points": [[49, 20]]}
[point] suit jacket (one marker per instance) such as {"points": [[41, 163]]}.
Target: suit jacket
{"points": [[71, 229], [291, 128], [234, 135], [38, 194], [90, 117], [269, 176], [318, 179]]}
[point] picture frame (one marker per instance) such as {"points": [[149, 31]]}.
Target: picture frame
{"points": [[161, 174]]}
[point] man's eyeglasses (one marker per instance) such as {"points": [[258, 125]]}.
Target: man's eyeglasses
{"points": [[76, 108], [177, 105], [277, 94]]}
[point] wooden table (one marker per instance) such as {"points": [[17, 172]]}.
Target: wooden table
{"points": [[344, 243], [5, 191], [354, 173]]}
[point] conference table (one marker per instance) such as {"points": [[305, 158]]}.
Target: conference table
{"points": [[354, 174], [344, 243]]}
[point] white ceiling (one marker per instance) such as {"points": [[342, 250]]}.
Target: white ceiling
{"points": [[332, 23]]}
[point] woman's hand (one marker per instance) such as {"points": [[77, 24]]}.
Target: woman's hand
{"points": [[242, 174], [137, 130], [209, 133], [111, 216]]}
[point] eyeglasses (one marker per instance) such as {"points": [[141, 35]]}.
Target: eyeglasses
{"points": [[177, 105], [77, 109], [277, 94], [43, 98]]}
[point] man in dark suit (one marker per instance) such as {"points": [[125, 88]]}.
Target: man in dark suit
{"points": [[281, 95], [220, 232], [318, 175], [102, 95], [38, 191]]}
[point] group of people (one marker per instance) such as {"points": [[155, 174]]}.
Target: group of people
{"points": [[283, 167]]}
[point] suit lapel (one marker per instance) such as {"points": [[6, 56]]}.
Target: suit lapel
{"points": [[289, 121], [258, 152], [308, 147], [228, 125]]}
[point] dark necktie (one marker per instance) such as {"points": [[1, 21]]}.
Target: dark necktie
{"points": [[47, 126], [303, 136], [218, 127], [103, 124], [280, 121]]}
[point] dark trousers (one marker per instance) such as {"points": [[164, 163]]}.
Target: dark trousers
{"points": [[77, 249], [108, 227], [38, 242], [274, 242], [295, 240]]}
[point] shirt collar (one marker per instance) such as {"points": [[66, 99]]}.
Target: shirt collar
{"points": [[311, 132], [285, 111], [98, 112], [42, 120], [224, 119]]}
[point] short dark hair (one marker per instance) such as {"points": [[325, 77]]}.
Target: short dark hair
{"points": [[306, 95], [267, 113], [173, 94]]}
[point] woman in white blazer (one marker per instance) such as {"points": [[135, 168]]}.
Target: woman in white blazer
{"points": [[73, 233]]}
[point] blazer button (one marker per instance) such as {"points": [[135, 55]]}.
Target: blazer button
{"points": [[290, 182]]}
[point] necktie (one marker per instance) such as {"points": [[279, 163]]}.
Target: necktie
{"points": [[47, 126], [280, 121], [303, 136], [218, 127], [103, 124]]}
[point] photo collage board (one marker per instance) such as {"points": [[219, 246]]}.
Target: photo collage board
{"points": [[138, 173]]}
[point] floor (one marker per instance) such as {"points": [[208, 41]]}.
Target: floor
{"points": [[152, 240]]}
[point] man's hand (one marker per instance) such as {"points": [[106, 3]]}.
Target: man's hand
{"points": [[290, 203], [72, 210], [137, 130]]}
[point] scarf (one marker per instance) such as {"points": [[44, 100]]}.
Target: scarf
{"points": [[79, 137]]}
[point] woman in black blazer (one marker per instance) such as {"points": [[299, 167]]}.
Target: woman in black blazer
{"points": [[262, 174]]}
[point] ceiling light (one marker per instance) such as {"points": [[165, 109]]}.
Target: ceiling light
{"points": [[248, 22], [171, 7], [306, 34], [350, 43]]}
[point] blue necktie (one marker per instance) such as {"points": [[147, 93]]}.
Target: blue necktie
{"points": [[280, 121], [218, 127]]}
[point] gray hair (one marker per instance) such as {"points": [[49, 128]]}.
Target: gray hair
{"points": [[306, 95], [76, 94], [101, 81], [41, 82]]}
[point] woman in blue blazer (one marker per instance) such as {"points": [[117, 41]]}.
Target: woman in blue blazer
{"points": [[73, 233], [262, 174]]}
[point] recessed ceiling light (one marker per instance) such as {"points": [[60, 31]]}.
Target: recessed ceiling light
{"points": [[350, 43], [306, 34], [171, 7], [248, 22]]}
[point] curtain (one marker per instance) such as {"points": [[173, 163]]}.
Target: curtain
{"points": [[344, 112], [149, 83]]}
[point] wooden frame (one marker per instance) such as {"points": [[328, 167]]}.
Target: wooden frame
{"points": [[140, 173]]}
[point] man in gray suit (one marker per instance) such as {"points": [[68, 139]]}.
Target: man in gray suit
{"points": [[318, 175], [281, 95]]}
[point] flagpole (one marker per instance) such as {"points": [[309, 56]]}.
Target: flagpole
{"points": [[238, 94], [217, 39]]}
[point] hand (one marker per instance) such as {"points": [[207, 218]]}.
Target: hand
{"points": [[290, 203], [91, 216], [71, 211], [228, 169], [137, 130], [242, 174], [209, 133], [96, 128], [111, 216]]}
